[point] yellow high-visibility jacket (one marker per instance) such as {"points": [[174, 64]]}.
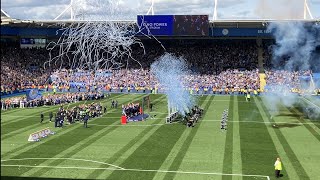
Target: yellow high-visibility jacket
{"points": [[278, 165]]}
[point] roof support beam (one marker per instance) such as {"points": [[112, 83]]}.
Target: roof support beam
{"points": [[215, 14], [306, 9], [6, 14], [151, 8]]}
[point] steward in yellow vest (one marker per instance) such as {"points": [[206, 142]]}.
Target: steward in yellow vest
{"points": [[277, 167], [248, 96]]}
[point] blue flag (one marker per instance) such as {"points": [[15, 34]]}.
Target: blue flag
{"points": [[33, 94]]}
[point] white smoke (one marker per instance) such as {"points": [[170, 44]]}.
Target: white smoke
{"points": [[296, 42]]}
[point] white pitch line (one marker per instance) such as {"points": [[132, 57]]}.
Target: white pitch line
{"points": [[74, 159], [120, 125], [220, 100], [136, 170], [260, 122], [310, 102], [153, 112], [100, 117], [205, 120], [7, 115]]}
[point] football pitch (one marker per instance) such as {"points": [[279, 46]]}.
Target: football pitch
{"points": [[152, 149]]}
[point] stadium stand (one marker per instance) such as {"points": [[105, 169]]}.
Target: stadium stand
{"points": [[220, 65]]}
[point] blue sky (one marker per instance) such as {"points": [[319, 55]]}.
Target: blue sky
{"points": [[227, 9]]}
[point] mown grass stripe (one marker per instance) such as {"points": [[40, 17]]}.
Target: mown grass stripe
{"points": [[316, 123], [100, 133], [293, 158], [31, 145], [183, 150], [20, 147], [71, 151], [236, 151], [291, 173], [257, 147], [86, 143], [28, 123], [152, 153], [175, 150], [228, 155], [130, 148], [35, 124], [125, 149], [4, 112], [304, 102], [46, 109], [307, 126], [45, 149]]}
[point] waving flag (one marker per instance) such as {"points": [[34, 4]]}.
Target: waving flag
{"points": [[33, 94]]}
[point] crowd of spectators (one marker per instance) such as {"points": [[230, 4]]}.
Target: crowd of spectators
{"points": [[289, 81], [203, 57], [21, 68], [213, 64], [283, 78], [140, 79], [49, 99]]}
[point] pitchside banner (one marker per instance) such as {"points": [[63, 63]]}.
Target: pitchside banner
{"points": [[40, 134], [174, 25]]}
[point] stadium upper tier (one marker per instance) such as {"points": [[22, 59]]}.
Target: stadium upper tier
{"points": [[225, 28], [216, 23]]}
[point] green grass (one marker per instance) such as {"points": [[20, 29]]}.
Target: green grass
{"points": [[154, 150]]}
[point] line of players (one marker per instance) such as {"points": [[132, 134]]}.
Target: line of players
{"points": [[224, 119], [131, 110], [79, 113], [193, 117]]}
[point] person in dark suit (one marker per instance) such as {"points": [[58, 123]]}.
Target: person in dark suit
{"points": [[50, 116], [151, 105], [116, 104], [41, 117], [112, 104], [85, 120]]}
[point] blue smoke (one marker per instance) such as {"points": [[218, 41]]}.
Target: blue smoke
{"points": [[298, 41], [169, 71]]}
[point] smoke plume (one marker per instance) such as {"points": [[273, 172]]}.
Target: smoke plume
{"points": [[169, 71], [295, 50], [297, 41]]}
